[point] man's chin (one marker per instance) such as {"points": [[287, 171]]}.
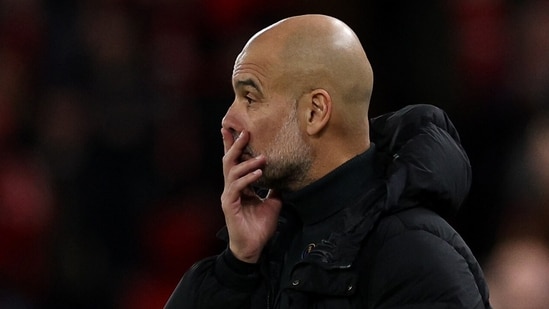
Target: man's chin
{"points": [[270, 184]]}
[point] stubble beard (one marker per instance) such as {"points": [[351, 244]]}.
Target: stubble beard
{"points": [[289, 158]]}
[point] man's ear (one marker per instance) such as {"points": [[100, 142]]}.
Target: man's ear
{"points": [[318, 111]]}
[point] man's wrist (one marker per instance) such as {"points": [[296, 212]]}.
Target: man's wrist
{"points": [[250, 258], [238, 265]]}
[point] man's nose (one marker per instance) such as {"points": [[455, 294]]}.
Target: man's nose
{"points": [[230, 121]]}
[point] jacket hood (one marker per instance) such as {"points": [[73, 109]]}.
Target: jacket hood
{"points": [[425, 161]]}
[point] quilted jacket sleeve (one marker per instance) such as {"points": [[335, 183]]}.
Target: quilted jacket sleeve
{"points": [[216, 282]]}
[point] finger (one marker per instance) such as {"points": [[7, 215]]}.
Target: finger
{"points": [[240, 177], [228, 160], [233, 190], [240, 170], [228, 139], [241, 141], [234, 151]]}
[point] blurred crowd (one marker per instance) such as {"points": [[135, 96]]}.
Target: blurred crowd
{"points": [[110, 151]]}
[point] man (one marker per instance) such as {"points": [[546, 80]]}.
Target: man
{"points": [[317, 215]]}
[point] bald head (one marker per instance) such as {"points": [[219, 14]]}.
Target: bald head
{"points": [[318, 51], [307, 81]]}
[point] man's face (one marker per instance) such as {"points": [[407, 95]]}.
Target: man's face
{"points": [[269, 114]]}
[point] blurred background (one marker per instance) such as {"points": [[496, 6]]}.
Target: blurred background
{"points": [[110, 151]]}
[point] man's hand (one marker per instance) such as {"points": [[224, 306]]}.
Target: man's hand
{"points": [[251, 221]]}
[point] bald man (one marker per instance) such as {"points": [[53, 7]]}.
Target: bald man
{"points": [[324, 207]]}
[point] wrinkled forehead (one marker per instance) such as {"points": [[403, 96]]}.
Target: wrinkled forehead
{"points": [[261, 60]]}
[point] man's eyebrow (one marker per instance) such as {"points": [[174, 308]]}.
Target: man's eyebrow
{"points": [[248, 82]]}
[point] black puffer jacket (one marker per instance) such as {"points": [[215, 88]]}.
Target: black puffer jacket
{"points": [[388, 247]]}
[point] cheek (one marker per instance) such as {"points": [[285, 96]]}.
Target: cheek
{"points": [[263, 142], [265, 127], [260, 140]]}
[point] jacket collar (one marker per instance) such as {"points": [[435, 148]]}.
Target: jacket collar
{"points": [[335, 191]]}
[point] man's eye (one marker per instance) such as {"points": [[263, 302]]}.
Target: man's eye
{"points": [[250, 100]]}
